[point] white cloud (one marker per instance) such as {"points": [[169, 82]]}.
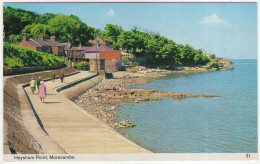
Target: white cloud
{"points": [[111, 13], [212, 19]]}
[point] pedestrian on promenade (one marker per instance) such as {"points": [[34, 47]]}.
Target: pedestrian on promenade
{"points": [[42, 91], [33, 85], [38, 82], [61, 76], [53, 76]]}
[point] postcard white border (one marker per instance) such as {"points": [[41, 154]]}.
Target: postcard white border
{"points": [[136, 158]]}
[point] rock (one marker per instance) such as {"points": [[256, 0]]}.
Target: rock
{"points": [[123, 124]]}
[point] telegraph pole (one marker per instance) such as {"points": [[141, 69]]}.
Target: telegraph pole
{"points": [[96, 54]]}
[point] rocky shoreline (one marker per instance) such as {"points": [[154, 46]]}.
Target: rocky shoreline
{"points": [[95, 101], [103, 100]]}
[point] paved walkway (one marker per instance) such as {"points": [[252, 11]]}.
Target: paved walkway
{"points": [[72, 128]]}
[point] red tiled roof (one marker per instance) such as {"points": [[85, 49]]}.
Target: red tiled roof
{"points": [[84, 48], [53, 43], [40, 42], [74, 49], [45, 42], [77, 48], [34, 43], [101, 47]]}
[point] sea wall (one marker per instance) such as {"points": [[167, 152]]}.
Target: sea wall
{"points": [[23, 70], [16, 135], [73, 92]]}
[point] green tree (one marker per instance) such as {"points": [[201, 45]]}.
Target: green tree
{"points": [[65, 27], [127, 40], [12, 25], [187, 54], [200, 59], [44, 18], [34, 30], [16, 19], [112, 32], [15, 39]]}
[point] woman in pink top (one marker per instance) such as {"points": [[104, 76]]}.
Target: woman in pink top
{"points": [[42, 91]]}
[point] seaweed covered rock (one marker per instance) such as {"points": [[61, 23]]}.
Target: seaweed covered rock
{"points": [[124, 124]]}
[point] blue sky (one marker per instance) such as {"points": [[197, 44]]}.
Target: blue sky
{"points": [[227, 29]]}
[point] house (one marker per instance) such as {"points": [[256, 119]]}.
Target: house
{"points": [[43, 45], [113, 58], [74, 53], [104, 52]]}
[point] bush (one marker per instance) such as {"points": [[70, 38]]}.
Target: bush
{"points": [[201, 59], [214, 64], [15, 56], [125, 58], [78, 65]]}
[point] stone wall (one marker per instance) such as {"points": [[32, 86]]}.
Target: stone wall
{"points": [[18, 139], [72, 93], [24, 70], [112, 66], [93, 65]]}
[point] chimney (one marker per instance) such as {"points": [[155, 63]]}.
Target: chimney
{"points": [[80, 44], [24, 38], [53, 38], [40, 37], [68, 41]]}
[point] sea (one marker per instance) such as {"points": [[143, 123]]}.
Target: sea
{"points": [[224, 124]]}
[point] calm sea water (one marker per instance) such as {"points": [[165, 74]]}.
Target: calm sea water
{"points": [[225, 124]]}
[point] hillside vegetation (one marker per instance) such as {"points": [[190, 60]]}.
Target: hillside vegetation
{"points": [[15, 56], [158, 50]]}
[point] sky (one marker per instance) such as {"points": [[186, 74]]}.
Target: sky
{"points": [[226, 29]]}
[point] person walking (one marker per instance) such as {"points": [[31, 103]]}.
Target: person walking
{"points": [[38, 81], [33, 85], [42, 91], [61, 76], [53, 76]]}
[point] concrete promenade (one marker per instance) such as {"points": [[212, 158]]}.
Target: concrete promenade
{"points": [[72, 128]]}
